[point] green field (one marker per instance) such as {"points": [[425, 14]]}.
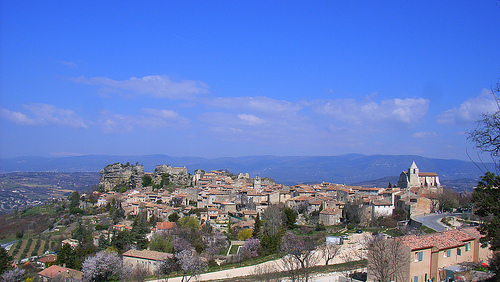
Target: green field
{"points": [[45, 209]]}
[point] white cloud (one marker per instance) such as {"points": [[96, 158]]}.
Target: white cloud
{"points": [[69, 64], [157, 86], [65, 154], [44, 114], [403, 111], [425, 134], [259, 104], [470, 110], [251, 119], [16, 117], [153, 119]]}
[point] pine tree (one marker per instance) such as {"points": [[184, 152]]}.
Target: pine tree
{"points": [[5, 260], [256, 226]]}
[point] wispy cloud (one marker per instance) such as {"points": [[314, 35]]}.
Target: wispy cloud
{"points": [[425, 134], [405, 111], [113, 123], [69, 64], [16, 117], [258, 104], [157, 86], [251, 119], [470, 110], [44, 114], [65, 154]]}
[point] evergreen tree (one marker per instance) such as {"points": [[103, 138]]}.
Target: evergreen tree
{"points": [[67, 256], [82, 233], [486, 197], [5, 261], [256, 226], [290, 217], [173, 217]]}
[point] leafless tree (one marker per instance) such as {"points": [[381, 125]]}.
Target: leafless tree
{"points": [[355, 253], [137, 273], [328, 251], [273, 219], [300, 255], [191, 264], [388, 260], [165, 267], [265, 273], [486, 136], [291, 266]]}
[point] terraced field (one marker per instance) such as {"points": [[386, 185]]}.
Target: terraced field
{"points": [[29, 252]]}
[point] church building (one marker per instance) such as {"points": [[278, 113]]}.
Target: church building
{"points": [[414, 178]]}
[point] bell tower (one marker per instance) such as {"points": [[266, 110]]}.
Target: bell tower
{"points": [[413, 176]]}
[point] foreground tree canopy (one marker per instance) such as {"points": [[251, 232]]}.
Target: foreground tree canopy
{"points": [[486, 196]]}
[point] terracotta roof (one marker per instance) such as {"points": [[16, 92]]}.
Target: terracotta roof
{"points": [[165, 225], [49, 258], [330, 211], [243, 224], [427, 174], [315, 202], [381, 203], [56, 270], [249, 212], [147, 254], [473, 231], [442, 240]]}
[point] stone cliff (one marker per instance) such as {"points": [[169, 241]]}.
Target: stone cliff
{"points": [[124, 176], [115, 175]]}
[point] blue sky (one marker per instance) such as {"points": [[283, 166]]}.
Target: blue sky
{"points": [[239, 78]]}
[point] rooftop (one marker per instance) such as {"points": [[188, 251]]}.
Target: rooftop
{"points": [[442, 240]]}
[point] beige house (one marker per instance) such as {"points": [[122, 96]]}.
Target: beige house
{"points": [[438, 256], [330, 216], [149, 259], [415, 205]]}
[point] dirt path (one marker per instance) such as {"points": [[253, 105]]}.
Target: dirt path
{"points": [[349, 247]]}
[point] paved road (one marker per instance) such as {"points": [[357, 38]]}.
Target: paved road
{"points": [[433, 220], [8, 245]]}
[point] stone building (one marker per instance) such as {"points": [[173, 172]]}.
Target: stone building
{"points": [[148, 259], [414, 178]]}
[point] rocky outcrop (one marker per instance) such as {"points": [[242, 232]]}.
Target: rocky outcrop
{"points": [[117, 174], [176, 175], [130, 176]]}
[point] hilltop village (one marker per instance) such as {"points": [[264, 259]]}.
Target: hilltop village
{"points": [[171, 223], [220, 195]]}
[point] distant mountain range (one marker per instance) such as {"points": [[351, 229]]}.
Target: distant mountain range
{"points": [[348, 169]]}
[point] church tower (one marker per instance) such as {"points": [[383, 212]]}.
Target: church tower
{"points": [[413, 176], [257, 184]]}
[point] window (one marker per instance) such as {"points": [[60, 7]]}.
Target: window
{"points": [[467, 246], [415, 279], [420, 256], [447, 254], [459, 252]]}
